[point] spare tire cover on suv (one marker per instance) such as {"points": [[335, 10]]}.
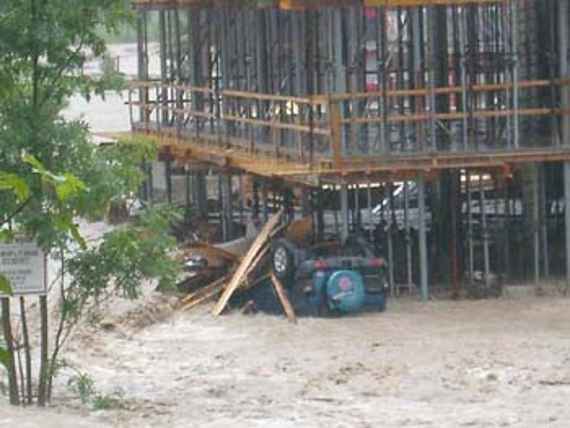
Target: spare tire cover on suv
{"points": [[345, 291]]}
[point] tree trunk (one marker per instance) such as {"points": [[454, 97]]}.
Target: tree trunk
{"points": [[12, 375], [27, 353], [42, 390]]}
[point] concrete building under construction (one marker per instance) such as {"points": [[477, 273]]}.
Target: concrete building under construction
{"points": [[439, 126]]}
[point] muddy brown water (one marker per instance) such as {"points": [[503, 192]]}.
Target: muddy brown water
{"points": [[442, 364]]}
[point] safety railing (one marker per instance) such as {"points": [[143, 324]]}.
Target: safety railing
{"points": [[340, 128], [292, 127]]}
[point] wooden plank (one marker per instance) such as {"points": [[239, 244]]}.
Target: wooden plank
{"points": [[204, 290], [422, 117], [267, 97], [209, 295], [209, 249], [282, 295], [447, 90], [274, 124], [247, 261]]}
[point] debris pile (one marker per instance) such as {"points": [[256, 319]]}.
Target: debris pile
{"points": [[239, 274]]}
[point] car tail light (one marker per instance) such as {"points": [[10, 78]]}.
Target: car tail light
{"points": [[320, 265], [376, 262]]}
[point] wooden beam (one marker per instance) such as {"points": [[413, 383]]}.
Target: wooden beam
{"points": [[247, 262], [283, 299]]}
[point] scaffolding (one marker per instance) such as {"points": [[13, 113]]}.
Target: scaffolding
{"points": [[458, 96]]}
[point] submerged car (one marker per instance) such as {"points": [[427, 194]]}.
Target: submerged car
{"points": [[333, 277]]}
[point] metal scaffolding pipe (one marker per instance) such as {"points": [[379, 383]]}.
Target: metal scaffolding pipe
{"points": [[536, 224], [484, 231], [471, 249], [391, 225], [422, 239], [563, 35], [344, 212], [407, 231]]}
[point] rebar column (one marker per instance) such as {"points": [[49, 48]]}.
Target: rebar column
{"points": [[514, 47], [163, 113], [422, 239], [418, 72], [142, 68]]}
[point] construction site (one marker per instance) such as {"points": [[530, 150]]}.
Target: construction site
{"points": [[389, 176], [439, 127]]}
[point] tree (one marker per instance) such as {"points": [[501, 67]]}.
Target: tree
{"points": [[53, 175]]}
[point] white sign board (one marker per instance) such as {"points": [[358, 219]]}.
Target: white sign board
{"points": [[24, 264]]}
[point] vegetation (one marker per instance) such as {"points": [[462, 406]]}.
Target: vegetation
{"points": [[83, 385], [51, 174]]}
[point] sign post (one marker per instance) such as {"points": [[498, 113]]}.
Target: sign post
{"points": [[24, 265]]}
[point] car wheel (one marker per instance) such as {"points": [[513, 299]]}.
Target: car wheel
{"points": [[283, 264]]}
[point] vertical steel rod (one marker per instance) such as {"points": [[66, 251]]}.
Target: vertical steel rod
{"points": [[422, 239]]}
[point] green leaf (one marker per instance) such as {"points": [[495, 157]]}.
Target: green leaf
{"points": [[6, 235], [16, 184], [69, 187], [34, 163], [5, 287], [5, 358]]}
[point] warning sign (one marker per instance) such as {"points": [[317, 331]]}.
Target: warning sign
{"points": [[24, 265]]}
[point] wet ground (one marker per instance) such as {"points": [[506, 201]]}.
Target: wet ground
{"points": [[495, 363]]}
